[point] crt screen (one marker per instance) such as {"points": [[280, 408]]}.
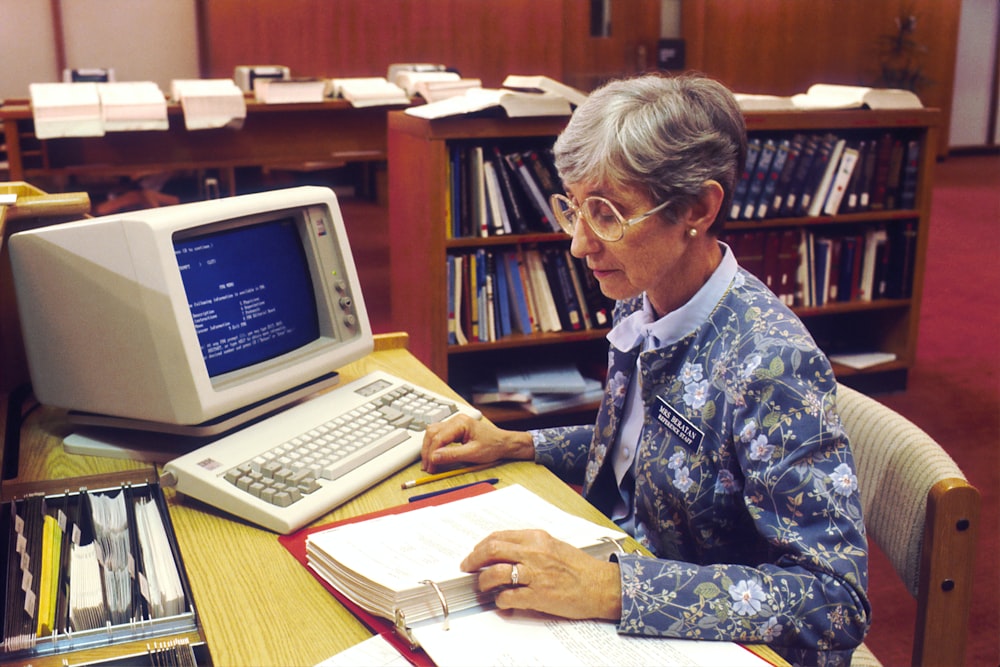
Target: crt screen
{"points": [[250, 293]]}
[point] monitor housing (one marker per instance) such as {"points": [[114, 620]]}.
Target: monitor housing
{"points": [[193, 319]]}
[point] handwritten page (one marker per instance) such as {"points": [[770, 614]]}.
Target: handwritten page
{"points": [[500, 638]]}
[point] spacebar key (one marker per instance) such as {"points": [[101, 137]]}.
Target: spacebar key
{"points": [[364, 455]]}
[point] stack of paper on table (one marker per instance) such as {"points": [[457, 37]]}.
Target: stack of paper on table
{"points": [[408, 80], [66, 110], [132, 105], [289, 91], [209, 103], [368, 91], [435, 91], [386, 564]]}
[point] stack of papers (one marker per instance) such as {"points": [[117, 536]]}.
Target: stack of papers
{"points": [[210, 103], [66, 110], [368, 91], [541, 389], [289, 91], [132, 105]]}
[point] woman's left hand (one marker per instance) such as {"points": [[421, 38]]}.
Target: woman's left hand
{"points": [[530, 569]]}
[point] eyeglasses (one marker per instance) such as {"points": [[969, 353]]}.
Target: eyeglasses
{"points": [[603, 217]]}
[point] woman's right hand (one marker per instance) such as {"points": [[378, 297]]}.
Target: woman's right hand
{"points": [[463, 440]]}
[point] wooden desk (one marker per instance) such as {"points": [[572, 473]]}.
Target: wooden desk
{"points": [[296, 136], [255, 603]]}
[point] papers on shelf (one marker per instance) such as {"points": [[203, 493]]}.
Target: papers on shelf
{"points": [[368, 91], [863, 359], [832, 96], [516, 104], [534, 96], [545, 84], [210, 103], [542, 379]]}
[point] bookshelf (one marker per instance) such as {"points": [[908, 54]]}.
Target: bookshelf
{"points": [[418, 156], [886, 323]]}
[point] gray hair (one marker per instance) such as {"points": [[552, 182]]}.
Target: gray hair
{"points": [[664, 135]]}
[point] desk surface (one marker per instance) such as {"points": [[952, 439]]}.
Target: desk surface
{"points": [[255, 603]]}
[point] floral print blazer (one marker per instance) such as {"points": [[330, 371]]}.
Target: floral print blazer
{"points": [[745, 487]]}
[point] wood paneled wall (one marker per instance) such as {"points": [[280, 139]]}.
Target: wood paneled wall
{"points": [[487, 39], [781, 47]]}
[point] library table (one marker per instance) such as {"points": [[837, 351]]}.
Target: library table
{"points": [[305, 136], [255, 603]]}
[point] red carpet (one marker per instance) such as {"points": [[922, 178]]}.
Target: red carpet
{"points": [[954, 391]]}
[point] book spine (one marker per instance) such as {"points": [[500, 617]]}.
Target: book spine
{"points": [[841, 179], [759, 178], [743, 184], [546, 219], [830, 160], [764, 202]]}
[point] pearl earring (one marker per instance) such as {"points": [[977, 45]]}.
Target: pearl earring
{"points": [[692, 232]]}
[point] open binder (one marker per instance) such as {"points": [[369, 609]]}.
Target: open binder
{"points": [[398, 636], [346, 558], [483, 635]]}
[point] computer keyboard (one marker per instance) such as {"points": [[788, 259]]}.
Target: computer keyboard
{"points": [[286, 470]]}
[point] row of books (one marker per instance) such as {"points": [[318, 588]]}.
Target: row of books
{"points": [[497, 190], [806, 268], [502, 292], [800, 174]]}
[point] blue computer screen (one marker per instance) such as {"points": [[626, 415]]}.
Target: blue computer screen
{"points": [[250, 293]]}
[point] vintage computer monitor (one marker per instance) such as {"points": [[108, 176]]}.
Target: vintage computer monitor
{"points": [[189, 320]]}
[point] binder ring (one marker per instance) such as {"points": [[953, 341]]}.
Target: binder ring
{"points": [[621, 550], [441, 597]]}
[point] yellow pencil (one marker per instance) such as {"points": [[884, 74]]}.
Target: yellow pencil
{"points": [[443, 475]]}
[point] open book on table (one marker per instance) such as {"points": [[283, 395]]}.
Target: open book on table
{"points": [[832, 96]]}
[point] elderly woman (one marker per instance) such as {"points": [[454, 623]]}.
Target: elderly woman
{"points": [[717, 445]]}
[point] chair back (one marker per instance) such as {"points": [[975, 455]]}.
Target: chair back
{"points": [[923, 514]]}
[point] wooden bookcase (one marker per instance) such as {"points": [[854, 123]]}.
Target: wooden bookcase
{"points": [[418, 169]]}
